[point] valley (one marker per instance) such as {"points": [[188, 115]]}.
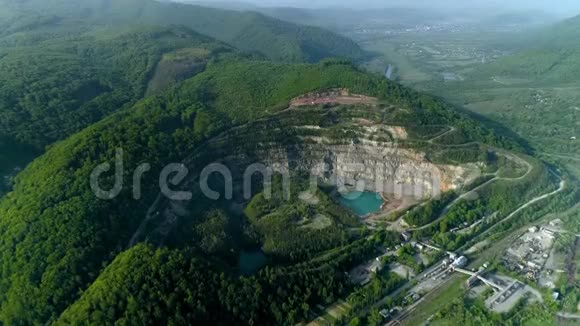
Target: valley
{"points": [[457, 66], [465, 68]]}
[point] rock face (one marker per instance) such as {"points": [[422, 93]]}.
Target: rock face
{"points": [[332, 96], [355, 154], [351, 153], [365, 166], [381, 169]]}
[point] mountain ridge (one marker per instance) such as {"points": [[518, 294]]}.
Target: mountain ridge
{"points": [[249, 31], [550, 54]]}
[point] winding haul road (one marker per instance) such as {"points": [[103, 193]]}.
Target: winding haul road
{"points": [[566, 157], [528, 204], [432, 140], [474, 190]]}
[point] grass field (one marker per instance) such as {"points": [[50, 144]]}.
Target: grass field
{"points": [[187, 54], [332, 313], [177, 66], [319, 222], [436, 300]]}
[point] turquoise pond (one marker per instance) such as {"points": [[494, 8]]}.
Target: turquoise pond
{"points": [[251, 261], [362, 203]]}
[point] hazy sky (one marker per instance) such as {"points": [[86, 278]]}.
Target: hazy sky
{"points": [[568, 7]]}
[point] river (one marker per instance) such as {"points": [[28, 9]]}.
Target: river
{"points": [[389, 72]]}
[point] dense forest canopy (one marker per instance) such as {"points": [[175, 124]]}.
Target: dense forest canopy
{"points": [[54, 86], [55, 235]]}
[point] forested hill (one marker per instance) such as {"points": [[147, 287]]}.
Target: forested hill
{"points": [[248, 31], [551, 54], [55, 81], [56, 236], [565, 34], [65, 64]]}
